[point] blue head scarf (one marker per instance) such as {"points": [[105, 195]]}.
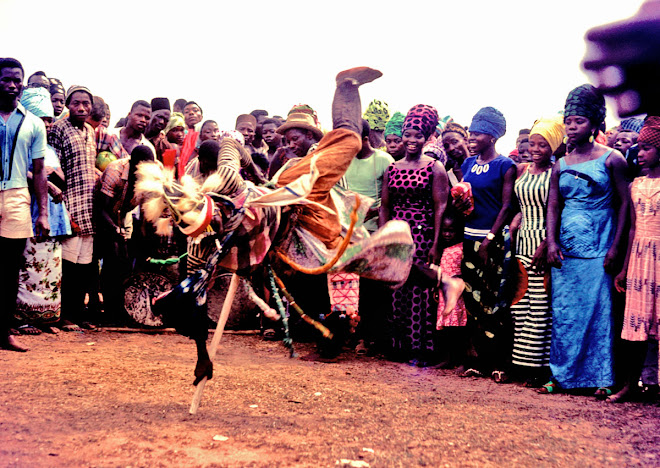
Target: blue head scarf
{"points": [[37, 101], [490, 121]]}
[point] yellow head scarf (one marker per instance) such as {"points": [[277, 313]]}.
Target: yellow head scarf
{"points": [[550, 128]]}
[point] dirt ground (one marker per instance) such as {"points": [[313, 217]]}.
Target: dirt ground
{"points": [[114, 399]]}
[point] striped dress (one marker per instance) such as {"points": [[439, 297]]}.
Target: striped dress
{"points": [[532, 315]]}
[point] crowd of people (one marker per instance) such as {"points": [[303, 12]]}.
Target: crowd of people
{"points": [[536, 266]]}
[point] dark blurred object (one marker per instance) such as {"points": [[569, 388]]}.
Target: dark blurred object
{"points": [[633, 163], [623, 59], [57, 181], [261, 161]]}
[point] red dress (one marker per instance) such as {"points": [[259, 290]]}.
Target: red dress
{"points": [[450, 264]]}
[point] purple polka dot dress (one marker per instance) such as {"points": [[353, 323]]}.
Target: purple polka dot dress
{"points": [[414, 314]]}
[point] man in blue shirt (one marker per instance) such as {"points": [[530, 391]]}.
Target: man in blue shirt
{"points": [[22, 138]]}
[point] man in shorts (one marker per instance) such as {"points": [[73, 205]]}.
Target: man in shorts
{"points": [[22, 139]]}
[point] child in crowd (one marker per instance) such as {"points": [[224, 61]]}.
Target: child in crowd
{"points": [[638, 276], [452, 322], [523, 152], [450, 264]]}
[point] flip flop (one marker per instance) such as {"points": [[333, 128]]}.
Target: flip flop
{"points": [[602, 393], [270, 334], [499, 377], [88, 326], [550, 387], [28, 330], [472, 373], [361, 349]]}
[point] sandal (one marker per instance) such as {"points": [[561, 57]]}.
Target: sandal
{"points": [[499, 376], [550, 387], [472, 373], [270, 334], [361, 349], [602, 393], [28, 330], [88, 326]]}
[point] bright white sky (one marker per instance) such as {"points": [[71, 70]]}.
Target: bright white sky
{"points": [[520, 56]]}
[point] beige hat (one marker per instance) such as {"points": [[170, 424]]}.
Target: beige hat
{"points": [[246, 118], [76, 88], [304, 117]]}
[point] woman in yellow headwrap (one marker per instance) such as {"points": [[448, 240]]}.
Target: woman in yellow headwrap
{"points": [[531, 314]]}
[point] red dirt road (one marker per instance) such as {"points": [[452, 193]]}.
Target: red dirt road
{"points": [[106, 399]]}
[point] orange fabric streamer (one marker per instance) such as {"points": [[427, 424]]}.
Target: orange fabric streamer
{"points": [[337, 149]]}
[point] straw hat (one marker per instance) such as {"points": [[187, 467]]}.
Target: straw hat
{"points": [[304, 117]]}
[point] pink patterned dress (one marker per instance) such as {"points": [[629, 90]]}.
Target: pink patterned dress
{"points": [[450, 264], [642, 293], [414, 313]]}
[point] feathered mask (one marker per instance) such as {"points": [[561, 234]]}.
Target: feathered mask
{"points": [[188, 204]]}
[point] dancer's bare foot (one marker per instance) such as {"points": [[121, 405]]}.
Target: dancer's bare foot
{"points": [[12, 344], [452, 288], [358, 75]]}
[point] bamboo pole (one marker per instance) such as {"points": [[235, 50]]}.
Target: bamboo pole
{"points": [[224, 314]]}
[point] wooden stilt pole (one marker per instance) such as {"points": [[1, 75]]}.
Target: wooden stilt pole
{"points": [[222, 321]]}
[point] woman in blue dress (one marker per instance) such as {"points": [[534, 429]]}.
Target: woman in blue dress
{"points": [[584, 240]]}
